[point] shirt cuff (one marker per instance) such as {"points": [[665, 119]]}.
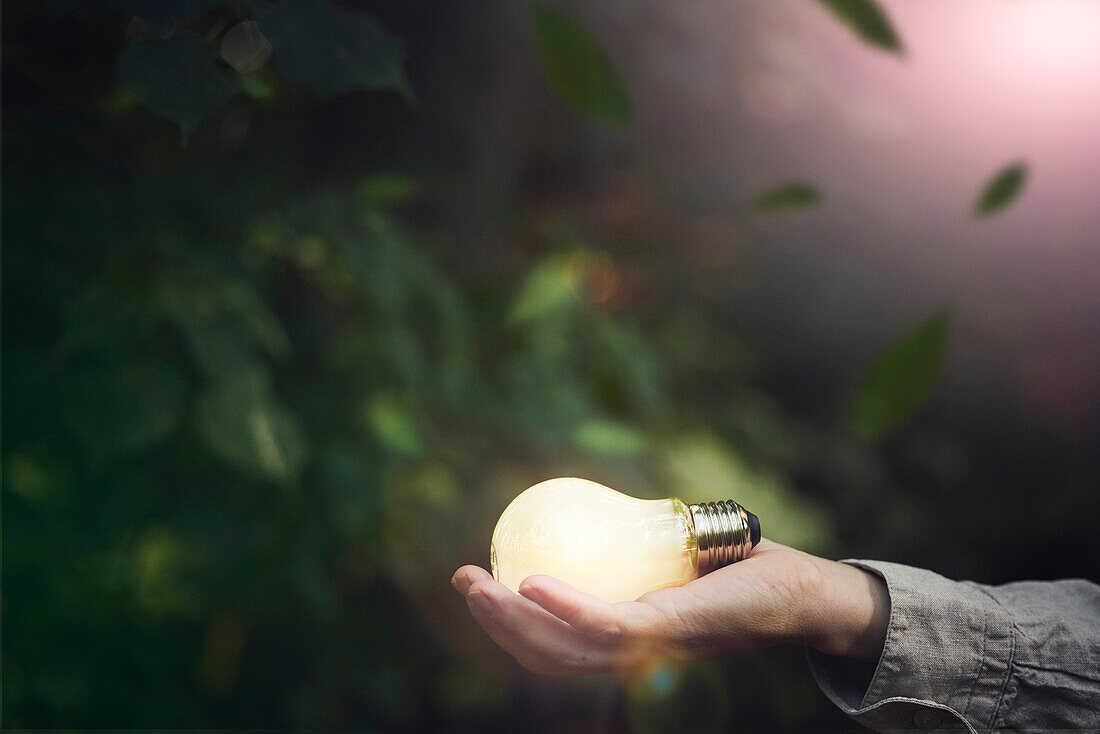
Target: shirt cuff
{"points": [[945, 662]]}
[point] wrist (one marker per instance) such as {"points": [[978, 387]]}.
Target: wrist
{"points": [[849, 614]]}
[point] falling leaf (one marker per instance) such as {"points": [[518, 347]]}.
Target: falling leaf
{"points": [[787, 197], [901, 380], [868, 20], [578, 69], [1001, 190]]}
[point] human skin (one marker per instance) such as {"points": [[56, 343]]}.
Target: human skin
{"points": [[775, 596]]}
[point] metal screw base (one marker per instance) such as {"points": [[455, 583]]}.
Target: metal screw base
{"points": [[725, 531]]}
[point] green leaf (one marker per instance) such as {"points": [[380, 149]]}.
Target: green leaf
{"points": [[159, 575], [552, 286], [628, 370], [1001, 190], [124, 409], [176, 79], [242, 422], [39, 478], [352, 487], [393, 423], [255, 317], [787, 197], [901, 380], [610, 438], [102, 319], [868, 20], [544, 292], [225, 305], [389, 188], [219, 352], [332, 49], [578, 70]]}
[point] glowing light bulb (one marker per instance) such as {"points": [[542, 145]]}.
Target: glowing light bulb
{"points": [[614, 546]]}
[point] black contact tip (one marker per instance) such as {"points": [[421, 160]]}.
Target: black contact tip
{"points": [[754, 528]]}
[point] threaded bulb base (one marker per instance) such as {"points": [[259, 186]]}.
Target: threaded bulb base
{"points": [[727, 532]]}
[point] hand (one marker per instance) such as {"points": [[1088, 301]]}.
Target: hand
{"points": [[778, 595]]}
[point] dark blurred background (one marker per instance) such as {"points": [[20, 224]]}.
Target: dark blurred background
{"points": [[298, 295]]}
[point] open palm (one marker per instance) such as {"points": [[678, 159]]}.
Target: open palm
{"points": [[552, 628]]}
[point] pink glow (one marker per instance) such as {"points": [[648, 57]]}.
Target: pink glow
{"points": [[742, 95]]}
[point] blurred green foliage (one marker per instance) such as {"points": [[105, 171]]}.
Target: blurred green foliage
{"points": [[255, 415], [330, 48], [176, 78]]}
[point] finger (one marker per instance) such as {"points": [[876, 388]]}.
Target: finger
{"points": [[589, 614], [537, 639], [517, 624], [466, 576]]}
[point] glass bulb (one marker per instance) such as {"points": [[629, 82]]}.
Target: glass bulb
{"points": [[614, 546]]}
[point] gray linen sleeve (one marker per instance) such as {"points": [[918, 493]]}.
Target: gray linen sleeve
{"points": [[960, 655]]}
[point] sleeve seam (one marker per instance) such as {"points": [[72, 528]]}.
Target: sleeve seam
{"points": [[981, 664], [1011, 654]]}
